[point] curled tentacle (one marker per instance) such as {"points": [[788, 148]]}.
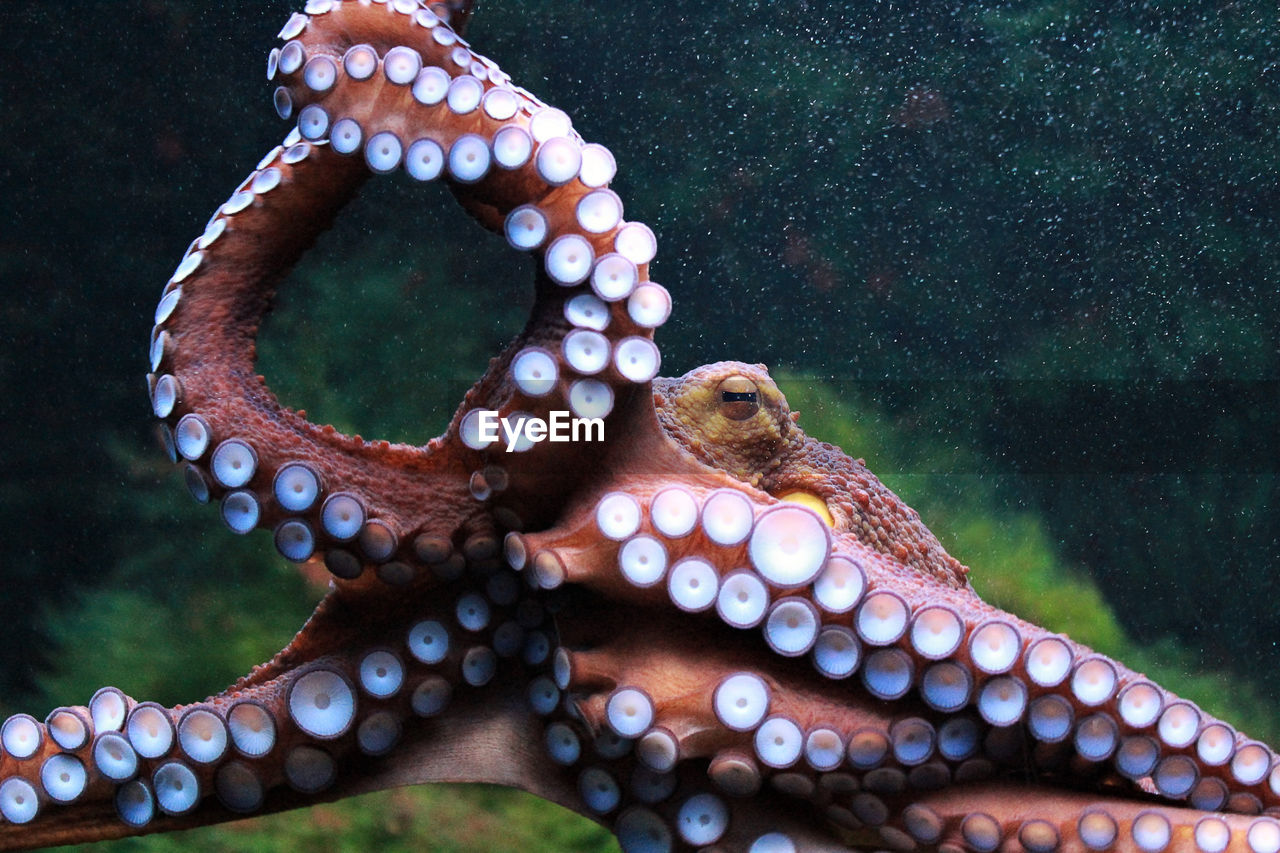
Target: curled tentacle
{"points": [[377, 89]]}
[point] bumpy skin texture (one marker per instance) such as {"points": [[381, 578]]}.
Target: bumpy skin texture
{"points": [[769, 451], [647, 628]]}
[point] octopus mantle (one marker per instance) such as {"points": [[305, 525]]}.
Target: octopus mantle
{"points": [[701, 628]]}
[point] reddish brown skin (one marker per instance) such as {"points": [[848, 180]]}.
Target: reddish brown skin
{"points": [[447, 540]]}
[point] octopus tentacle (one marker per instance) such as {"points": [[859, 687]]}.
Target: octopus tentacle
{"points": [[702, 791], [520, 168], [755, 726], [995, 815], [402, 89], [336, 699], [1027, 696]]}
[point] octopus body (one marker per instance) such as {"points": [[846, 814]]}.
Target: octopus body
{"points": [[689, 621]]}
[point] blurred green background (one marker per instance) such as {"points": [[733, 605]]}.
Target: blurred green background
{"points": [[1020, 256]]}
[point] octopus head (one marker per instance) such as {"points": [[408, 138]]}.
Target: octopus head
{"points": [[730, 415]]}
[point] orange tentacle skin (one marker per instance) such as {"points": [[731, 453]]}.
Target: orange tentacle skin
{"points": [[692, 622]]}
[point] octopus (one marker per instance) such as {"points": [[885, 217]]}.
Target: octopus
{"points": [[657, 602]]}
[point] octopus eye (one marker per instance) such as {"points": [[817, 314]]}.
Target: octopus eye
{"points": [[739, 398]]}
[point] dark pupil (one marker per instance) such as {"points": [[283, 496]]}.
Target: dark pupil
{"points": [[738, 396]]}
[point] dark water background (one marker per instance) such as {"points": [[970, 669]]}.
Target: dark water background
{"points": [[1042, 234]]}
